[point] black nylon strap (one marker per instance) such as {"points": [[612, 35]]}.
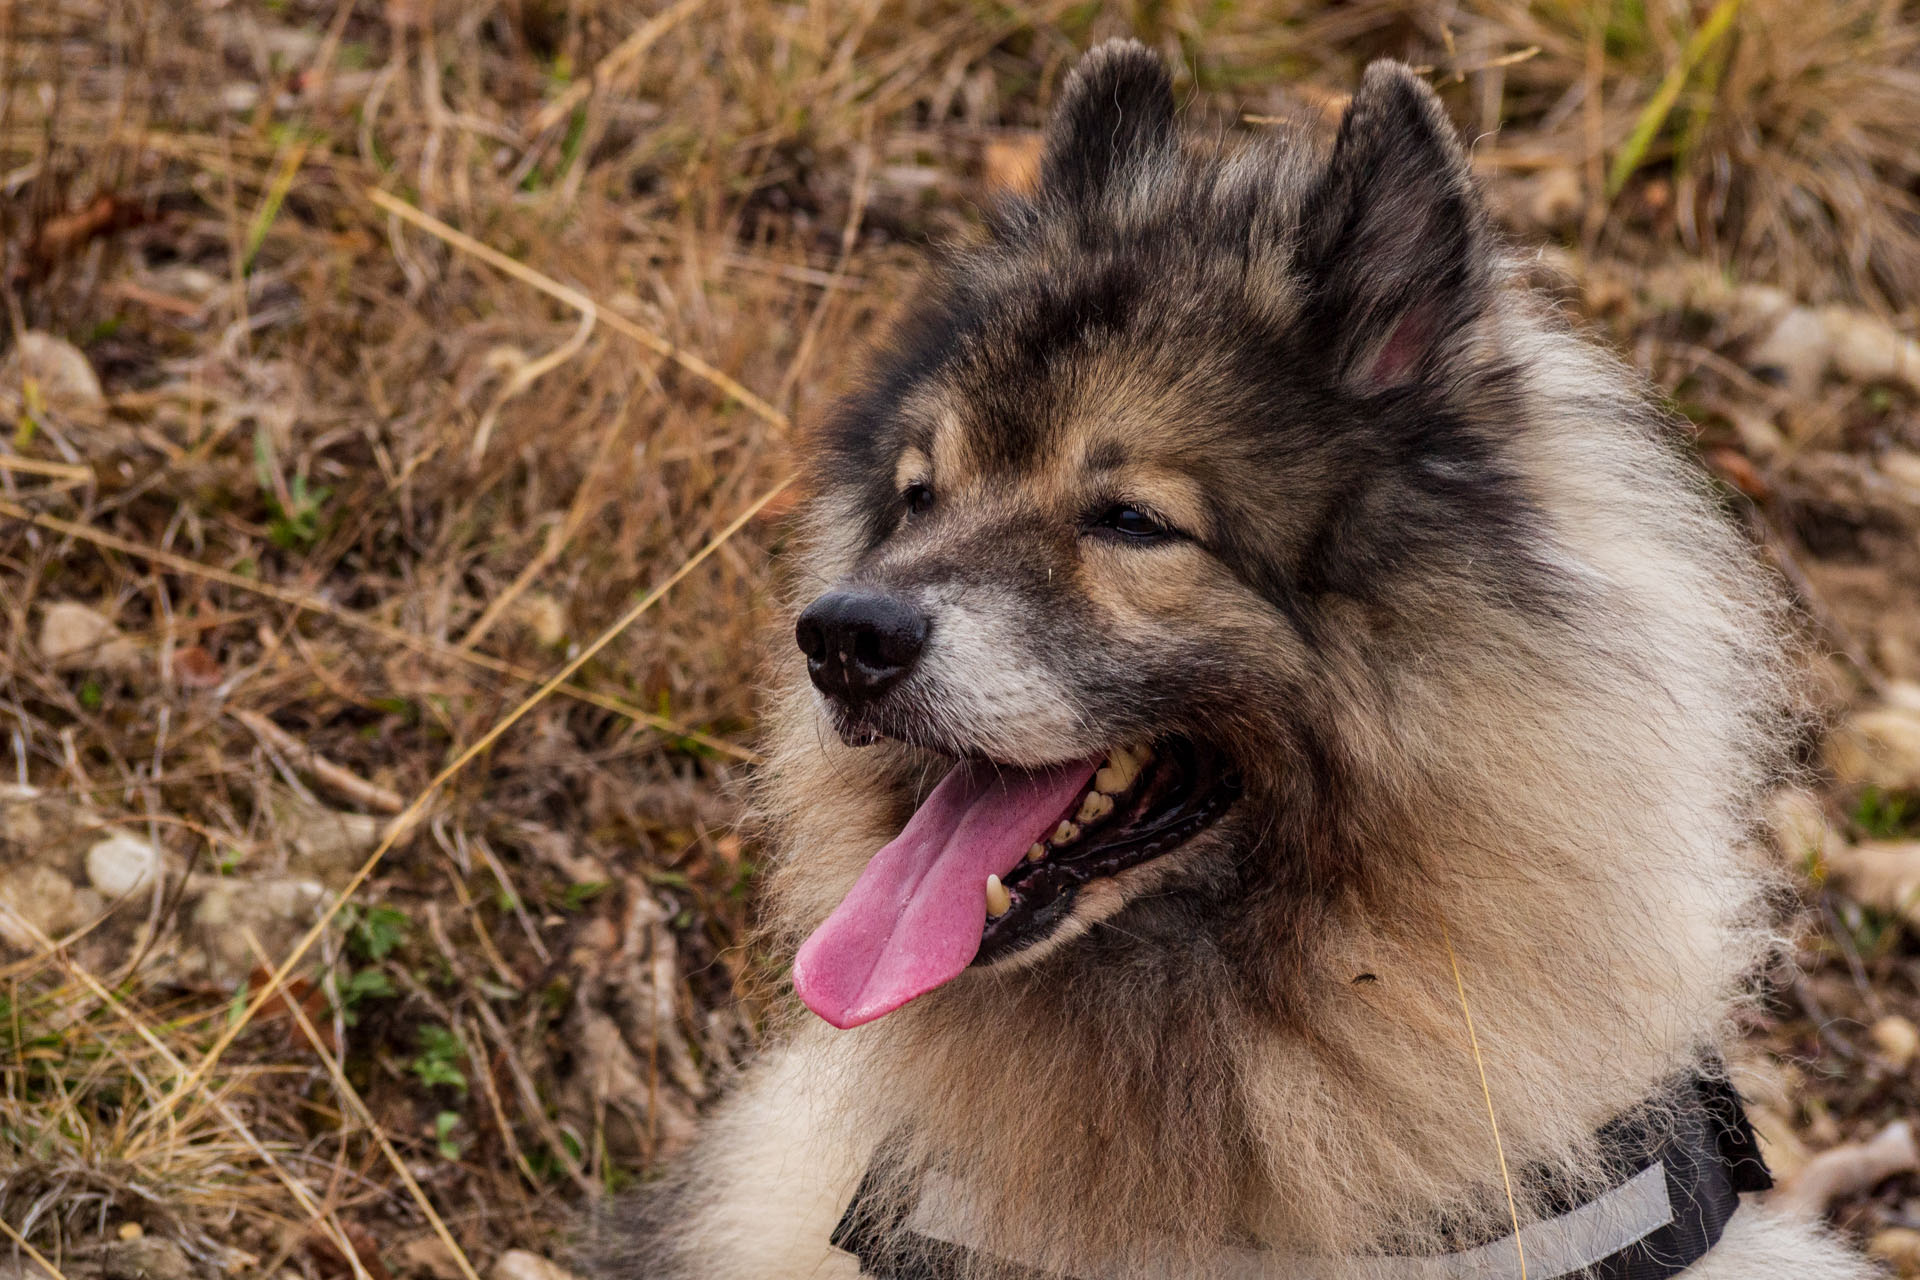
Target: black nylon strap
{"points": [[1697, 1132], [1711, 1158]]}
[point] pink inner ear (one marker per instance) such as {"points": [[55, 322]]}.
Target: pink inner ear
{"points": [[1400, 355]]}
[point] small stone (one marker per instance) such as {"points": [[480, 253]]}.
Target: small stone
{"points": [[74, 637], [544, 617], [276, 911], [1795, 351], [429, 1256], [1800, 827], [35, 902], [57, 377], [1901, 466], [195, 668], [1868, 349], [20, 822], [1877, 747], [1897, 1039], [326, 844], [518, 1264], [121, 864]]}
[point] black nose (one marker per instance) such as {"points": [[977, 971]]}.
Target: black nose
{"points": [[859, 643]]}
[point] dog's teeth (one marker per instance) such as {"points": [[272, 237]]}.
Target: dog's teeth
{"points": [[1065, 833], [1121, 768], [1036, 852], [1095, 807], [998, 899]]}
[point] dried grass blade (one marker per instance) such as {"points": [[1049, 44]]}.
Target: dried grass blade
{"points": [[405, 822], [579, 301], [608, 67], [40, 1259], [347, 617], [270, 203], [163, 1109], [349, 1095], [338, 778]]}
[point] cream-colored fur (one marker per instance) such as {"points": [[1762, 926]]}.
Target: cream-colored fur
{"points": [[1547, 807], [778, 1169], [1597, 888]]}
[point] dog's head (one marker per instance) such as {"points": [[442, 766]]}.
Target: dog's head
{"points": [[1135, 505]]}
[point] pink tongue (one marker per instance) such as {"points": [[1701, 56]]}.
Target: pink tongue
{"points": [[913, 919]]}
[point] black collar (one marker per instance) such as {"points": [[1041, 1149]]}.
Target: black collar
{"points": [[1685, 1156]]}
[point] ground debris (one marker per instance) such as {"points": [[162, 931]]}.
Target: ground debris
{"points": [[1878, 746], [1847, 1170], [78, 637], [519, 1264]]}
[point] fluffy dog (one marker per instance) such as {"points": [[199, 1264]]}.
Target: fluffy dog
{"points": [[1245, 637]]}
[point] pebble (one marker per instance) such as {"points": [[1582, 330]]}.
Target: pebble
{"points": [[1897, 1039], [518, 1264], [121, 864], [1877, 747], [74, 637], [63, 379], [43, 898]]}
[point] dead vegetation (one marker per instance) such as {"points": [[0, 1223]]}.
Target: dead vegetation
{"points": [[398, 397]]}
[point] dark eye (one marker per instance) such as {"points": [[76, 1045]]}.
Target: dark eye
{"points": [[918, 497], [1132, 522]]}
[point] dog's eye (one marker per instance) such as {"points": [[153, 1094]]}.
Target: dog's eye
{"points": [[918, 497], [1131, 522]]}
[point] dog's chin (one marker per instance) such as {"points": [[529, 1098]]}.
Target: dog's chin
{"points": [[1145, 807]]}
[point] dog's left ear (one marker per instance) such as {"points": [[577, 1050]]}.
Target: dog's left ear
{"points": [[1394, 242], [1115, 111]]}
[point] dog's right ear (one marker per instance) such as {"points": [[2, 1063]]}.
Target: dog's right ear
{"points": [[1116, 110], [1393, 237]]}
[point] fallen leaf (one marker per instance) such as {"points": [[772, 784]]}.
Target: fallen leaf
{"points": [[195, 668], [310, 999], [1733, 467], [330, 1262]]}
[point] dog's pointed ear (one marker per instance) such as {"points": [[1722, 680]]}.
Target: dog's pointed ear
{"points": [[1394, 238], [1115, 110]]}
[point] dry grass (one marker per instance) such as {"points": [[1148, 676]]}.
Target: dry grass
{"points": [[435, 336]]}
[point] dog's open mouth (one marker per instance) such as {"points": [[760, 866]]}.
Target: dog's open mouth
{"points": [[990, 865]]}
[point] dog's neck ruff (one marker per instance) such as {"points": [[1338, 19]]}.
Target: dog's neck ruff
{"points": [[1685, 1156]]}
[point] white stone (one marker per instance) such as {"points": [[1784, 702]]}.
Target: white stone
{"points": [[518, 1264], [36, 902], [1877, 747], [122, 864], [75, 637], [61, 378]]}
